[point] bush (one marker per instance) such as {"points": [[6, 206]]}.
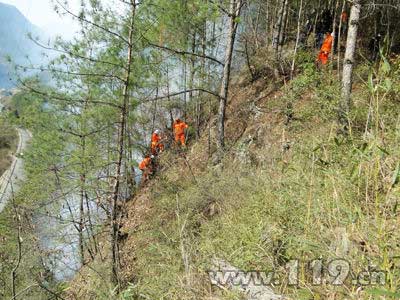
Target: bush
{"points": [[8, 142], [332, 197]]}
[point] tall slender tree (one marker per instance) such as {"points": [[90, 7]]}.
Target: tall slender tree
{"points": [[235, 8], [348, 64], [121, 148]]}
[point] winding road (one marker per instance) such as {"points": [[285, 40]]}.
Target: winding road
{"points": [[9, 179]]}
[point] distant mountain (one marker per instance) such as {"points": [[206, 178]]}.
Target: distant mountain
{"points": [[14, 41]]}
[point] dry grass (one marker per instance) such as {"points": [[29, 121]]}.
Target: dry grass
{"points": [[288, 188]]}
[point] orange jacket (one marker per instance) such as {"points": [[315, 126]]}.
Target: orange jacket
{"points": [[327, 45], [155, 138], [179, 127], [145, 163]]}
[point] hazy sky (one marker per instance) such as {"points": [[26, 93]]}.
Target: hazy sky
{"points": [[41, 13]]}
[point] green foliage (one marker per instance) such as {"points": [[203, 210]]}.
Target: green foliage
{"points": [[382, 292], [289, 208], [291, 203], [8, 142]]}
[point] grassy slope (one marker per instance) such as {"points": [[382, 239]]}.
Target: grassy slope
{"points": [[288, 188]]}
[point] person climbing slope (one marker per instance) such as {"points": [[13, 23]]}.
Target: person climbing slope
{"points": [[326, 49], [179, 130], [146, 167], [156, 145]]}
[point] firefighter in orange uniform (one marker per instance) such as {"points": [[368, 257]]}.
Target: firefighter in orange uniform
{"points": [[146, 167], [326, 49], [156, 145], [179, 130]]}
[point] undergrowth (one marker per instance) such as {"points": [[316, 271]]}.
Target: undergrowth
{"points": [[321, 196], [8, 144]]}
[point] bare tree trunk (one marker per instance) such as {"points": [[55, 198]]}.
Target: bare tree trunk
{"points": [[297, 39], [334, 25], [234, 12], [184, 75], [248, 63], [278, 28], [121, 142], [334, 33], [91, 233], [199, 102], [339, 37], [267, 27], [153, 121], [317, 16], [191, 86], [171, 116], [349, 63], [82, 188], [255, 31], [279, 36], [81, 214], [283, 28], [210, 106], [253, 25]]}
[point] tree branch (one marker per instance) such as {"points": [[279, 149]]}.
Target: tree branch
{"points": [[181, 52], [184, 92], [221, 8], [65, 99], [92, 23], [69, 73], [75, 55]]}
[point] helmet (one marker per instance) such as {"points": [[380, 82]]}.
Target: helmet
{"points": [[157, 131]]}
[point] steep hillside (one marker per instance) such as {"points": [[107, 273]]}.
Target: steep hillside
{"points": [[290, 190], [14, 41]]}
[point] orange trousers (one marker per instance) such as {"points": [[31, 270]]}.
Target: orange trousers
{"points": [[146, 175], [156, 148], [323, 57], [180, 138]]}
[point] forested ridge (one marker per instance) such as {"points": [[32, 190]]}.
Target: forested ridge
{"points": [[14, 42], [179, 139]]}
